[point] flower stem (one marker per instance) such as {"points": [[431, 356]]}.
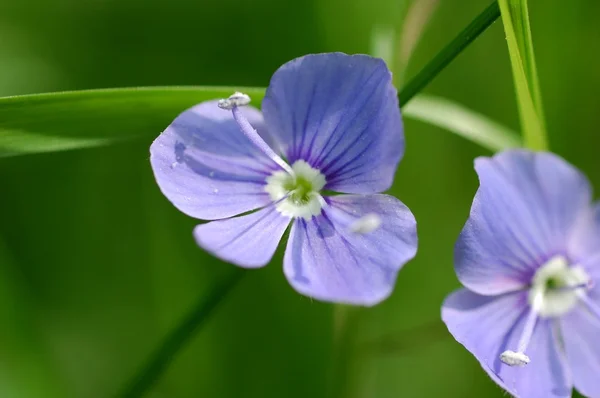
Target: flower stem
{"points": [[179, 337], [515, 17], [455, 47], [345, 328]]}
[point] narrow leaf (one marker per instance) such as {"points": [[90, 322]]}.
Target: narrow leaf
{"points": [[179, 337], [515, 17], [83, 119], [462, 121], [520, 19], [451, 51]]}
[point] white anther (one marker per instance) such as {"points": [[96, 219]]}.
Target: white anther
{"points": [[235, 99], [512, 358], [367, 223]]}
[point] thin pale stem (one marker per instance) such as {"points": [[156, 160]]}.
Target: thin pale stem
{"points": [[343, 374]]}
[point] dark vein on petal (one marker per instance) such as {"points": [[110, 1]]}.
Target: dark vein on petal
{"points": [[326, 110], [347, 105], [324, 155], [341, 174], [245, 230], [306, 117]]}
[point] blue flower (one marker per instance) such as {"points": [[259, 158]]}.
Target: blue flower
{"points": [[329, 122], [529, 256]]}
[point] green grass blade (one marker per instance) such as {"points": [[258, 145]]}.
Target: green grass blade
{"points": [[82, 119], [462, 121], [444, 57], [180, 336], [520, 20], [515, 17]]}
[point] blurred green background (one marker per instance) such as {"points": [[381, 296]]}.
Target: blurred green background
{"points": [[96, 266]]}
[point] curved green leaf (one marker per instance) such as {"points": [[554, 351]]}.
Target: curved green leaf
{"points": [[462, 121], [81, 119]]}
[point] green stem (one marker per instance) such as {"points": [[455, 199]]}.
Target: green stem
{"points": [[179, 337], [455, 47], [343, 371], [406, 341]]}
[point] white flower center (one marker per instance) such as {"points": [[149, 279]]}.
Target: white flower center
{"points": [[556, 286], [294, 190], [297, 194], [555, 289]]}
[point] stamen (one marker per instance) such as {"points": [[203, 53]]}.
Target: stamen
{"points": [[512, 358], [235, 99], [518, 358], [527, 331], [366, 224], [233, 103]]}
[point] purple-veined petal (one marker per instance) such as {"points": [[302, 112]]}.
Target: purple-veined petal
{"points": [[489, 325], [585, 244], [248, 241], [207, 168], [326, 261], [339, 113], [580, 330], [527, 207]]}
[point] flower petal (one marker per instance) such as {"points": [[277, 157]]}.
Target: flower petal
{"points": [[489, 325], [580, 337], [584, 245], [327, 261], [207, 168], [339, 113], [248, 241], [527, 207]]}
